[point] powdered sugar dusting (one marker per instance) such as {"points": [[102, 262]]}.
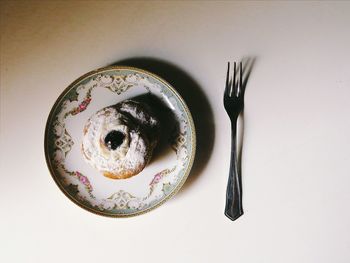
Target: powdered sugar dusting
{"points": [[135, 150]]}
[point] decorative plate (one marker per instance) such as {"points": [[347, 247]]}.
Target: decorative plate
{"points": [[87, 187]]}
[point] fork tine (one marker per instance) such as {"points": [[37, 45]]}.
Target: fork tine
{"points": [[227, 88], [240, 74], [241, 88], [234, 79]]}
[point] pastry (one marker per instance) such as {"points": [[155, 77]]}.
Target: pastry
{"points": [[119, 140]]}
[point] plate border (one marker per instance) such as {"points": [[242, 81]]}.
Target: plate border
{"points": [[138, 70]]}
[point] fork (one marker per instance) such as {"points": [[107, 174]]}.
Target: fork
{"points": [[234, 103]]}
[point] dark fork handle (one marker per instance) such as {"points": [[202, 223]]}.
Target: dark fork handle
{"points": [[233, 208]]}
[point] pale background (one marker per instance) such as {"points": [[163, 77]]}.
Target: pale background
{"points": [[296, 146]]}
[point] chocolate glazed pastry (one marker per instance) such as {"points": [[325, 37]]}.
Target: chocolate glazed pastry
{"points": [[119, 140]]}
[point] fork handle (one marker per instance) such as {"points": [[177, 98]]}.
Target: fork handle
{"points": [[233, 208]]}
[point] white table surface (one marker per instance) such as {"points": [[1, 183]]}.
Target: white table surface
{"points": [[296, 172]]}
